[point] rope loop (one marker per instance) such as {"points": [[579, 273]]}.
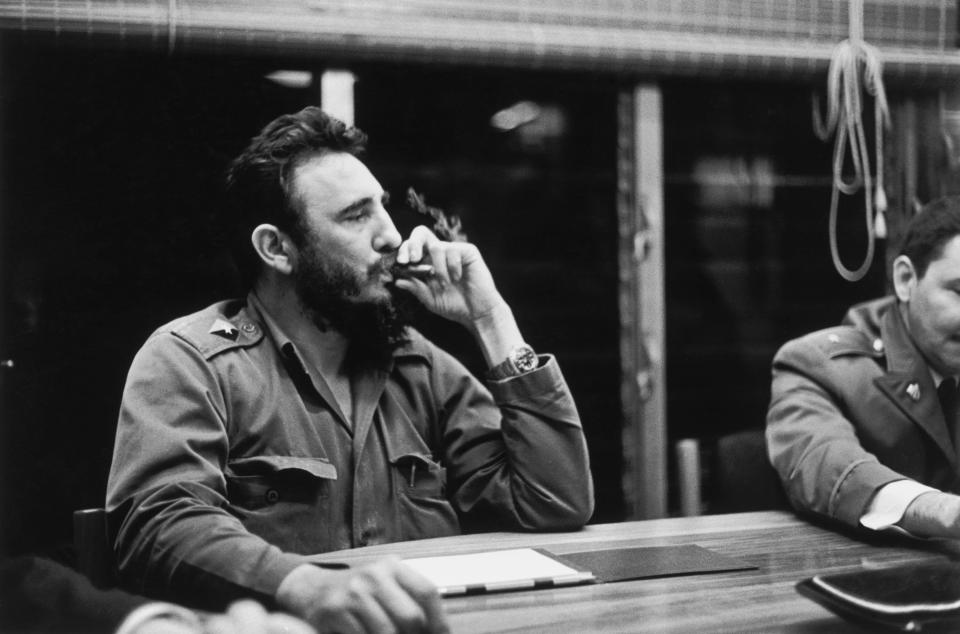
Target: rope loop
{"points": [[844, 117]]}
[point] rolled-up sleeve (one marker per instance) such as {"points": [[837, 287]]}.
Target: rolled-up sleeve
{"points": [[174, 536], [516, 451]]}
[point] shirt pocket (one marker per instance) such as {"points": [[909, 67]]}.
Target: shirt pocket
{"points": [[417, 475], [422, 507], [268, 480], [284, 500]]}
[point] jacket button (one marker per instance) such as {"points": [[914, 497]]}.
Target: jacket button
{"points": [[273, 496], [248, 328], [363, 538]]}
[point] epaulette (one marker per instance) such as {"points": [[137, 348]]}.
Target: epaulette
{"points": [[212, 332], [844, 340]]}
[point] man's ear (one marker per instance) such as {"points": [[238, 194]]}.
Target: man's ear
{"points": [[274, 248], [904, 278]]}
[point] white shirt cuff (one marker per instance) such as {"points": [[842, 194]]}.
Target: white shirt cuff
{"points": [[150, 611], [890, 503]]}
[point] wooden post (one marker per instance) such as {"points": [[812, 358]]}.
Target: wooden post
{"points": [[642, 310]]}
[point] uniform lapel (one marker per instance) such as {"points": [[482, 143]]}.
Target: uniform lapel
{"points": [[323, 390], [909, 384], [297, 366]]}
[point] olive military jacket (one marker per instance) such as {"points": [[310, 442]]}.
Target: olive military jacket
{"points": [[854, 408], [233, 461]]}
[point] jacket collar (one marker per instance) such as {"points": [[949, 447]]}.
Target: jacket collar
{"points": [[909, 382], [368, 384], [902, 354]]}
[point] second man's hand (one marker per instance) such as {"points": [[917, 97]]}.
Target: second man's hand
{"points": [[933, 514]]}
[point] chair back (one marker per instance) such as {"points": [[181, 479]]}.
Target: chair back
{"points": [[744, 478], [94, 553]]}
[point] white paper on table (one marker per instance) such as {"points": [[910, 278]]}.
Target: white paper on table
{"points": [[496, 570]]}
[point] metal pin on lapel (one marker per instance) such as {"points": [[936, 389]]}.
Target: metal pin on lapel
{"points": [[913, 391], [223, 327]]}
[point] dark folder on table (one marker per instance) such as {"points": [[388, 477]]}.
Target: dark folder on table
{"points": [[910, 597], [647, 562]]}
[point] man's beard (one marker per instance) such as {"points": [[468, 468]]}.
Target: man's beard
{"points": [[330, 292]]}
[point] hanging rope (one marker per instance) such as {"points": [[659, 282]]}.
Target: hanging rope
{"points": [[845, 117]]}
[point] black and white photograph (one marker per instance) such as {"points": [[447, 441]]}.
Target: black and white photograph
{"points": [[359, 316]]}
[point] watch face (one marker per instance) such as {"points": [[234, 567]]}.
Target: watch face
{"points": [[524, 358]]}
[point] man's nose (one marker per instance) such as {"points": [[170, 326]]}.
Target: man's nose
{"points": [[387, 239]]}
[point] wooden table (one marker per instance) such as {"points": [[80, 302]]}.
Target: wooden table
{"points": [[784, 549]]}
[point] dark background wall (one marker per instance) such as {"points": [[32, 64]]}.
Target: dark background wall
{"points": [[747, 199]]}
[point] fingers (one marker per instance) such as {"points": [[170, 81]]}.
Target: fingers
{"points": [[405, 601], [411, 249], [371, 610], [383, 597], [409, 601], [448, 258], [279, 623], [426, 596], [418, 288], [249, 617], [242, 617], [461, 288], [389, 597], [343, 623], [454, 265]]}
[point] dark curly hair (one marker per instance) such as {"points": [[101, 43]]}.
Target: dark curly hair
{"points": [[259, 181], [929, 231]]}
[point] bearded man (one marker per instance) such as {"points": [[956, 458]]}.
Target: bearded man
{"points": [[309, 417]]}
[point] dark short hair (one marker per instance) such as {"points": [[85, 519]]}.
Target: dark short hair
{"points": [[259, 184], [929, 231]]}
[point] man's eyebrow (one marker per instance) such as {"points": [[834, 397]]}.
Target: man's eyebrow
{"points": [[357, 205]]}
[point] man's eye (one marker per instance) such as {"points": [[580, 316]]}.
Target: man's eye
{"points": [[358, 215]]}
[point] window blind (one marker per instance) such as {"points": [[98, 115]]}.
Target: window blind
{"points": [[786, 38]]}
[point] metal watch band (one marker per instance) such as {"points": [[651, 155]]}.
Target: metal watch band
{"points": [[510, 368]]}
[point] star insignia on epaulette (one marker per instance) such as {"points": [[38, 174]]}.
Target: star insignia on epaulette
{"points": [[225, 328]]}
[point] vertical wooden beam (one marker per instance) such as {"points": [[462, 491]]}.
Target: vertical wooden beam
{"points": [[336, 94], [642, 310]]}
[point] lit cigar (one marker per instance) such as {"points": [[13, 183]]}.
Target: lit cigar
{"points": [[419, 271]]}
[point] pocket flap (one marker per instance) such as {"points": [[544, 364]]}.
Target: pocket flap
{"points": [[419, 472], [262, 465], [414, 457], [401, 439]]}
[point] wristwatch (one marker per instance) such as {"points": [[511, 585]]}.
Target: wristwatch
{"points": [[520, 360]]}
